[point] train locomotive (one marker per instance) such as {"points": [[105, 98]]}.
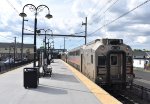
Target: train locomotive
{"points": [[107, 62]]}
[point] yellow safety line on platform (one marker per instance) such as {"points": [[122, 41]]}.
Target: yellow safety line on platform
{"points": [[103, 96]]}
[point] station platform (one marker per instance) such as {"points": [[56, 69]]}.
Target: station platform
{"points": [[142, 78], [65, 86]]}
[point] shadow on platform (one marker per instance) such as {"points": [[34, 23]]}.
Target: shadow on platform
{"points": [[64, 77], [66, 88], [50, 90]]}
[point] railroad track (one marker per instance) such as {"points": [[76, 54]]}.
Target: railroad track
{"points": [[135, 95], [126, 100], [122, 97]]}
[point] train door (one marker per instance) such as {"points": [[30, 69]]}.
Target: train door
{"points": [[116, 67]]}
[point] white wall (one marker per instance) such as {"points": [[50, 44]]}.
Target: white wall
{"points": [[138, 63]]}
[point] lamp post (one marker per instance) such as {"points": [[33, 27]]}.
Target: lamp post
{"points": [[36, 9], [39, 31]]}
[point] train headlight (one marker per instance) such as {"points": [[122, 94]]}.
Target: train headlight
{"points": [[127, 48]]}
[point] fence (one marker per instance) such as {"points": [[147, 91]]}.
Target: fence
{"points": [[7, 67]]}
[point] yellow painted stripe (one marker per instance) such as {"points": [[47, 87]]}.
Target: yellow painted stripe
{"points": [[103, 96]]}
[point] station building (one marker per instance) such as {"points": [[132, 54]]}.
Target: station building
{"points": [[10, 49], [141, 59]]}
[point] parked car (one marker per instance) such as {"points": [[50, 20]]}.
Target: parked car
{"points": [[9, 61]]}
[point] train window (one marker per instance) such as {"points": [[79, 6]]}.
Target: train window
{"points": [[115, 42], [101, 60], [113, 60], [129, 59], [92, 59]]}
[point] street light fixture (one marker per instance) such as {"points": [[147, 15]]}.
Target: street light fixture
{"points": [[36, 9]]}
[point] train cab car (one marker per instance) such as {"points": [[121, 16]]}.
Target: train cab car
{"points": [[114, 63], [105, 61]]}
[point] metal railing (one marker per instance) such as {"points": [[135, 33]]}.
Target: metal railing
{"points": [[142, 88], [7, 67]]}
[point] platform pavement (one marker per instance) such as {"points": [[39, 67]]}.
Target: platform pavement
{"points": [[62, 88]]}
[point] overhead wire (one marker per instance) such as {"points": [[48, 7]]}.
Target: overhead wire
{"points": [[106, 9], [106, 5], [6, 37], [110, 7], [102, 7], [96, 4], [119, 17], [12, 6]]}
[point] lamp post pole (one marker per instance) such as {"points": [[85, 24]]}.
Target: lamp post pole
{"points": [[37, 9], [22, 40], [35, 26]]}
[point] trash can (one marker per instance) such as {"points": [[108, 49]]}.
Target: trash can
{"points": [[31, 77]]}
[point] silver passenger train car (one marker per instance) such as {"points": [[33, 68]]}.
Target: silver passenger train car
{"points": [[107, 62]]}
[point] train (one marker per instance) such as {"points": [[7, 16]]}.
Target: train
{"points": [[107, 62]]}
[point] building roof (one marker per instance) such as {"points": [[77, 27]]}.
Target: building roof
{"points": [[148, 54], [18, 45], [141, 54]]}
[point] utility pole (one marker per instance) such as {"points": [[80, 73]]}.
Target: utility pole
{"points": [[85, 28], [14, 49], [64, 43], [22, 39], [48, 49]]}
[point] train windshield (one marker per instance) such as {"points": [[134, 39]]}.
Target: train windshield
{"points": [[115, 41], [113, 60], [101, 60]]}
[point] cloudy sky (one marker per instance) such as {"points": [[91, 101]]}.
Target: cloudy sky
{"points": [[68, 15]]}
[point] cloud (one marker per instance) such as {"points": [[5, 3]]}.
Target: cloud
{"points": [[68, 16], [141, 39]]}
